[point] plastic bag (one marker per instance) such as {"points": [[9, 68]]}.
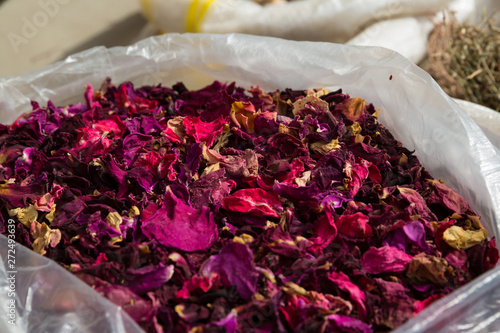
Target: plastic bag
{"points": [[487, 119], [447, 141], [50, 299]]}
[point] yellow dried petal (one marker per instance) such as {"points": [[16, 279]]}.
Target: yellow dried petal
{"points": [[247, 238], [210, 155], [210, 168], [326, 266], [293, 288], [44, 236], [281, 241], [243, 114], [97, 162], [359, 138], [144, 248], [270, 224], [25, 215], [476, 222], [176, 124], [353, 108], [133, 211], [259, 297], [282, 128], [222, 140], [74, 268], [116, 239], [310, 99], [426, 268], [403, 159], [238, 239], [459, 238], [325, 147], [304, 180], [321, 92], [268, 274], [179, 309], [196, 329], [355, 128], [114, 220], [299, 239]]}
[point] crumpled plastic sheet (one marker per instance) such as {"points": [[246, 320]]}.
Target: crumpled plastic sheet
{"points": [[487, 119], [447, 141], [49, 299]]}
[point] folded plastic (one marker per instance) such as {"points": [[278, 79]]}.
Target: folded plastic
{"points": [[447, 141], [50, 299]]}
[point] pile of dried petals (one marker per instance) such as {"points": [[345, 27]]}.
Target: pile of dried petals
{"points": [[224, 210]]}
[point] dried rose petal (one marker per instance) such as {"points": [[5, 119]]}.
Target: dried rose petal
{"points": [[235, 266], [384, 259], [180, 226], [225, 209], [354, 225], [254, 201]]}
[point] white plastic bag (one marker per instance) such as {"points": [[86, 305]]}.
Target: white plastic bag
{"points": [[447, 141], [49, 299], [487, 119]]}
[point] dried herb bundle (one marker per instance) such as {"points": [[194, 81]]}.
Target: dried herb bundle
{"points": [[465, 60]]}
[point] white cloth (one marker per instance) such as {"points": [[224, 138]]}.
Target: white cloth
{"points": [[400, 25]]}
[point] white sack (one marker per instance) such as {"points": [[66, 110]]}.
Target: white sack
{"points": [[400, 25]]}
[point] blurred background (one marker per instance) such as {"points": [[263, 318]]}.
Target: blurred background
{"points": [[36, 33], [456, 41]]}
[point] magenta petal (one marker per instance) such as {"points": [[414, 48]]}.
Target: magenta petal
{"points": [[254, 201], [354, 225], [202, 131], [148, 278], [346, 324], [384, 259], [228, 323], [325, 231], [181, 226], [235, 266], [345, 284]]}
